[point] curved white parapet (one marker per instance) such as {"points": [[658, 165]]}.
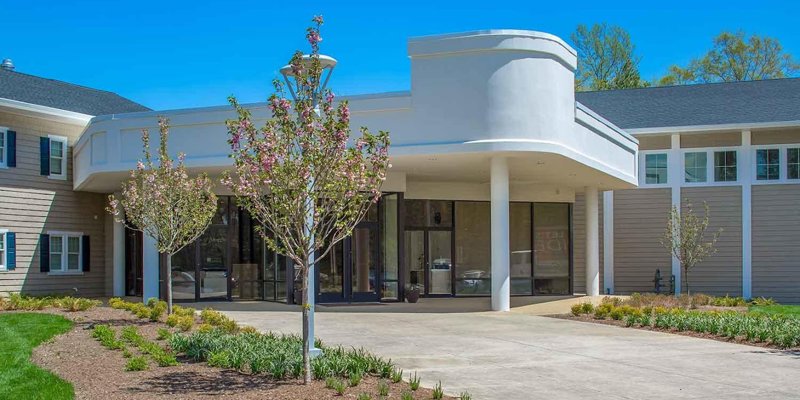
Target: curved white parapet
{"points": [[472, 95]]}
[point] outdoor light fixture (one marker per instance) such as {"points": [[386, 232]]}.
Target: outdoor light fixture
{"points": [[326, 62]]}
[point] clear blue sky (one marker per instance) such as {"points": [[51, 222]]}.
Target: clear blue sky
{"points": [[175, 54]]}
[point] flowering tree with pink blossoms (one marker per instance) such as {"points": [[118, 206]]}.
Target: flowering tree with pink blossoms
{"points": [[164, 202], [300, 175]]}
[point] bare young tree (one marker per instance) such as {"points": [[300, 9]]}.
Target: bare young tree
{"points": [[685, 237], [164, 202]]}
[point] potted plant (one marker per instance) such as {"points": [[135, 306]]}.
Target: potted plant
{"points": [[412, 293]]}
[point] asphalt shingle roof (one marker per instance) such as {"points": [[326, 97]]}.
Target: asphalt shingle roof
{"points": [[772, 100], [62, 95]]}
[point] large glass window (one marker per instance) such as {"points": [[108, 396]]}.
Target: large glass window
{"points": [[391, 269], [552, 248], [429, 213], [473, 248], [725, 166], [768, 164], [521, 250], [793, 163], [655, 168], [695, 167]]}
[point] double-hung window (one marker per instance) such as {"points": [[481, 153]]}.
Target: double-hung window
{"points": [[2, 250], [65, 253], [655, 168], [768, 164], [793, 163], [3, 148], [58, 157], [695, 167], [725, 166]]}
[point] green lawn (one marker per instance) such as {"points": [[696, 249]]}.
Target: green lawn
{"points": [[777, 309], [19, 378]]}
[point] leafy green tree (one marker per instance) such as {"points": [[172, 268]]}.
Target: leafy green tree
{"points": [[733, 58], [685, 238], [300, 175], [606, 58], [164, 202]]}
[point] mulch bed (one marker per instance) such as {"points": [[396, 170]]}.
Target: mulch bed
{"points": [[589, 318], [99, 373]]}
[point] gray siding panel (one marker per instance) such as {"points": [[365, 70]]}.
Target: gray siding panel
{"points": [[721, 273], [31, 204], [640, 217], [776, 242]]}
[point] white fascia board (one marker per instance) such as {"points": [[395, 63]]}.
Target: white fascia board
{"points": [[713, 128], [36, 110]]}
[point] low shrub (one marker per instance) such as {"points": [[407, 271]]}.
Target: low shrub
{"points": [[728, 301], [397, 375], [136, 364], [276, 355], [183, 323], [339, 387], [438, 392], [464, 396], [763, 301], [16, 301], [383, 388], [107, 337], [215, 318], [406, 396], [413, 382], [576, 309], [364, 396], [354, 379], [164, 334]]}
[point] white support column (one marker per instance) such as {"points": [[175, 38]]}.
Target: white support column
{"points": [[118, 257], [745, 171], [674, 177], [592, 242], [501, 249], [608, 241], [150, 275]]}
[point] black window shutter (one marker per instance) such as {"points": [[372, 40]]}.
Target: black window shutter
{"points": [[11, 145], [44, 253], [44, 147], [11, 251], [86, 257]]}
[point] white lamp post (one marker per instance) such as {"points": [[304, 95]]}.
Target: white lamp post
{"points": [[327, 63]]}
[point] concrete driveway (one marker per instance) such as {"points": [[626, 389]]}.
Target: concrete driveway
{"points": [[516, 355]]}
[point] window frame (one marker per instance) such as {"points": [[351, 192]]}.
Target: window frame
{"points": [[684, 167], [783, 164], [768, 164], [4, 148], [65, 146], [788, 148], [4, 255], [64, 255], [713, 165], [643, 168]]}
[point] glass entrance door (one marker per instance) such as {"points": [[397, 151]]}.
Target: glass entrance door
{"points": [[350, 271], [429, 260]]}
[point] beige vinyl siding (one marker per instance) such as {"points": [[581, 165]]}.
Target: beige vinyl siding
{"points": [[579, 242], [31, 204], [640, 217], [721, 273], [654, 142], [776, 242], [776, 136], [727, 139]]}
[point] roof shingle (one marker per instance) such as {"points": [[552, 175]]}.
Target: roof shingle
{"points": [[62, 95], [773, 100]]}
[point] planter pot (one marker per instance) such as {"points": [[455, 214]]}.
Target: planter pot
{"points": [[412, 296]]}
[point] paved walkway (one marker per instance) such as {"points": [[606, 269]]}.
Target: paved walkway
{"points": [[517, 355]]}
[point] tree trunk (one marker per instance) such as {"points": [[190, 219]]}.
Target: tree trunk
{"points": [[169, 284], [686, 279], [306, 356]]}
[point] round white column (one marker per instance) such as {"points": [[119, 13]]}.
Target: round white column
{"points": [[150, 268], [118, 256], [501, 257], [592, 243]]}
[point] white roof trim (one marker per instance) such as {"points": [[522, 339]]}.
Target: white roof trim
{"points": [[717, 127], [39, 110]]}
